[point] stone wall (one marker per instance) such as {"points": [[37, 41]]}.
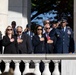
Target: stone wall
{"points": [[18, 11]]}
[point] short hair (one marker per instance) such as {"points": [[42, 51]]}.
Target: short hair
{"points": [[19, 27], [30, 74], [46, 22], [13, 23]]}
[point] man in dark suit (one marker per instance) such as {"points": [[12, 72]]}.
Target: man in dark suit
{"points": [[13, 24], [48, 39], [64, 38], [29, 32], [24, 42]]}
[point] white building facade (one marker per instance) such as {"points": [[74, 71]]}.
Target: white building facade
{"points": [[14, 10]]}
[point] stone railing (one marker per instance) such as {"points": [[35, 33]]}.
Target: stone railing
{"points": [[68, 63]]}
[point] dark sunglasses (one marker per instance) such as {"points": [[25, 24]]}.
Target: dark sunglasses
{"points": [[47, 28], [9, 29], [19, 31], [39, 29]]}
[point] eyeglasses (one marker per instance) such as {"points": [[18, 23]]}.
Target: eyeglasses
{"points": [[9, 29], [39, 29], [19, 31], [47, 28]]}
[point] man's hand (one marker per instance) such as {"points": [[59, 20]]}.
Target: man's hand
{"points": [[41, 39], [12, 40], [50, 41], [19, 40]]}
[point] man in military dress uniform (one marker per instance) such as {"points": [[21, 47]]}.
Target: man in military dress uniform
{"points": [[64, 39]]}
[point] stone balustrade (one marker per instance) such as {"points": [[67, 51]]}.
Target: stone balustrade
{"points": [[37, 58]]}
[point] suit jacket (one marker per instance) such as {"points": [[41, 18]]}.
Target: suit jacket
{"points": [[26, 45], [64, 40], [39, 46], [49, 47], [9, 47], [30, 33]]}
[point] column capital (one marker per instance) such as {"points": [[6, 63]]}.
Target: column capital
{"points": [[7, 61], [26, 61], [16, 61], [56, 61], [46, 61], [36, 61]]}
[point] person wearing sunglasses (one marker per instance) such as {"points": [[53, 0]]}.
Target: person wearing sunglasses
{"points": [[38, 41], [9, 42], [23, 41], [48, 39]]}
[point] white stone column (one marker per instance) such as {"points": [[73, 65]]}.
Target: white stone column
{"points": [[19, 11], [7, 64], [37, 71], [26, 13], [17, 70], [56, 67], [46, 70], [29, 12], [3, 15], [68, 67], [75, 23], [26, 70]]}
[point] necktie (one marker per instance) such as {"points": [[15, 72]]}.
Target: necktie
{"points": [[18, 37], [48, 37], [63, 29]]}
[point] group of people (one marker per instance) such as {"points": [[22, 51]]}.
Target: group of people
{"points": [[57, 38], [16, 42], [50, 38]]}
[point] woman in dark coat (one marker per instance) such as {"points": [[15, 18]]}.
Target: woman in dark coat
{"points": [[9, 41], [38, 41]]}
